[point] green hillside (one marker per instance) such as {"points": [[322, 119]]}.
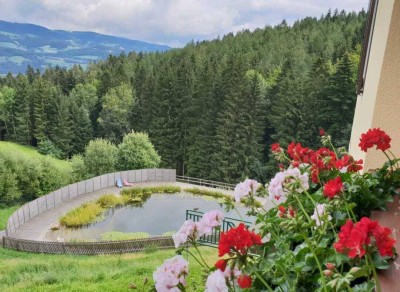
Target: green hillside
{"points": [[25, 174], [31, 153]]}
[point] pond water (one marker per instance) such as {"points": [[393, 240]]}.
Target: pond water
{"points": [[158, 215]]}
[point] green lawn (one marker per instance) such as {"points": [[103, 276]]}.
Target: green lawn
{"points": [[21, 271], [6, 212], [31, 152]]}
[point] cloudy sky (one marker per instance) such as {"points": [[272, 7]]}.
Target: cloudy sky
{"points": [[171, 22]]}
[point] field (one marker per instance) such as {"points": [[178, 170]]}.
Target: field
{"points": [[21, 271]]}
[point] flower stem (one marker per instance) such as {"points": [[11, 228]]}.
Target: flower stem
{"points": [[317, 260], [197, 260], [390, 160], [376, 278], [261, 279], [302, 208], [201, 257]]}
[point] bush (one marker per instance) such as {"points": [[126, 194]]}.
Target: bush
{"points": [[100, 157], [23, 178], [79, 171], [47, 147], [137, 152]]}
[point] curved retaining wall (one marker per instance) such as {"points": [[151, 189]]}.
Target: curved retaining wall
{"points": [[44, 203]]}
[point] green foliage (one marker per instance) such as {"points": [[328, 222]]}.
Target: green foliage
{"points": [[100, 157], [79, 171], [204, 192], [26, 175], [83, 215], [5, 213], [116, 110], [117, 236], [139, 191], [137, 152], [110, 201], [46, 147]]}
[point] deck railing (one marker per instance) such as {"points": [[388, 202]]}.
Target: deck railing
{"points": [[213, 239], [205, 182]]}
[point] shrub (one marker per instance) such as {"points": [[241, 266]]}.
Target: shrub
{"points": [[100, 157], [137, 152], [79, 171], [47, 147]]}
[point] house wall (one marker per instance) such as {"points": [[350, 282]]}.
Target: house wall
{"points": [[379, 104]]}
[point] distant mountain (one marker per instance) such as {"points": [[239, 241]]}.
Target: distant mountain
{"points": [[28, 44]]}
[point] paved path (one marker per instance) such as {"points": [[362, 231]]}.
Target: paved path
{"points": [[37, 227]]}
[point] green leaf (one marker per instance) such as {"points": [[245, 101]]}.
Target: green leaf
{"points": [[379, 262]]}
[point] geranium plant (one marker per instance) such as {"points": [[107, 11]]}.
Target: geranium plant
{"points": [[317, 236]]}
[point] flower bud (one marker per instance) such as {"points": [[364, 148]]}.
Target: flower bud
{"points": [[330, 266], [328, 273]]}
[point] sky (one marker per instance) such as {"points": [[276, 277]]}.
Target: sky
{"points": [[169, 22]]}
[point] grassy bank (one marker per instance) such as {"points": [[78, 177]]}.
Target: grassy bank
{"points": [[21, 271], [5, 213], [26, 174]]}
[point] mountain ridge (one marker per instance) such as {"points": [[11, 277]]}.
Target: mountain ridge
{"points": [[23, 44]]}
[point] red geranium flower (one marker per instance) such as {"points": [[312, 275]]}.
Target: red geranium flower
{"points": [[349, 162], [281, 211], [383, 241], [244, 281], [237, 239], [298, 153], [321, 132], [333, 187], [221, 264], [353, 238], [374, 137], [322, 159], [276, 148]]}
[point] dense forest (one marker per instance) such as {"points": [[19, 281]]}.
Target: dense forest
{"points": [[211, 108]]}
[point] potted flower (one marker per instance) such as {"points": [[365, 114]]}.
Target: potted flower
{"points": [[317, 236]]}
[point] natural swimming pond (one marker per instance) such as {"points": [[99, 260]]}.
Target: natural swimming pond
{"points": [[161, 213]]}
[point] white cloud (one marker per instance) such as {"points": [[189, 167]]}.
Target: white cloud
{"points": [[166, 21]]}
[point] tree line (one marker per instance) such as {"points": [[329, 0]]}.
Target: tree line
{"points": [[211, 109]]}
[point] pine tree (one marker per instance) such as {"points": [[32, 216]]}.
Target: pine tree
{"points": [[338, 106]]}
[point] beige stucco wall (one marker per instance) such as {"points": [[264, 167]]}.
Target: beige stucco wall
{"points": [[379, 105]]}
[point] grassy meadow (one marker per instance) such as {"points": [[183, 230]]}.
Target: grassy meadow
{"points": [[31, 153], [20, 271]]}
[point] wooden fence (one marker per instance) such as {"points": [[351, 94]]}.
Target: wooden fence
{"points": [[88, 248]]}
